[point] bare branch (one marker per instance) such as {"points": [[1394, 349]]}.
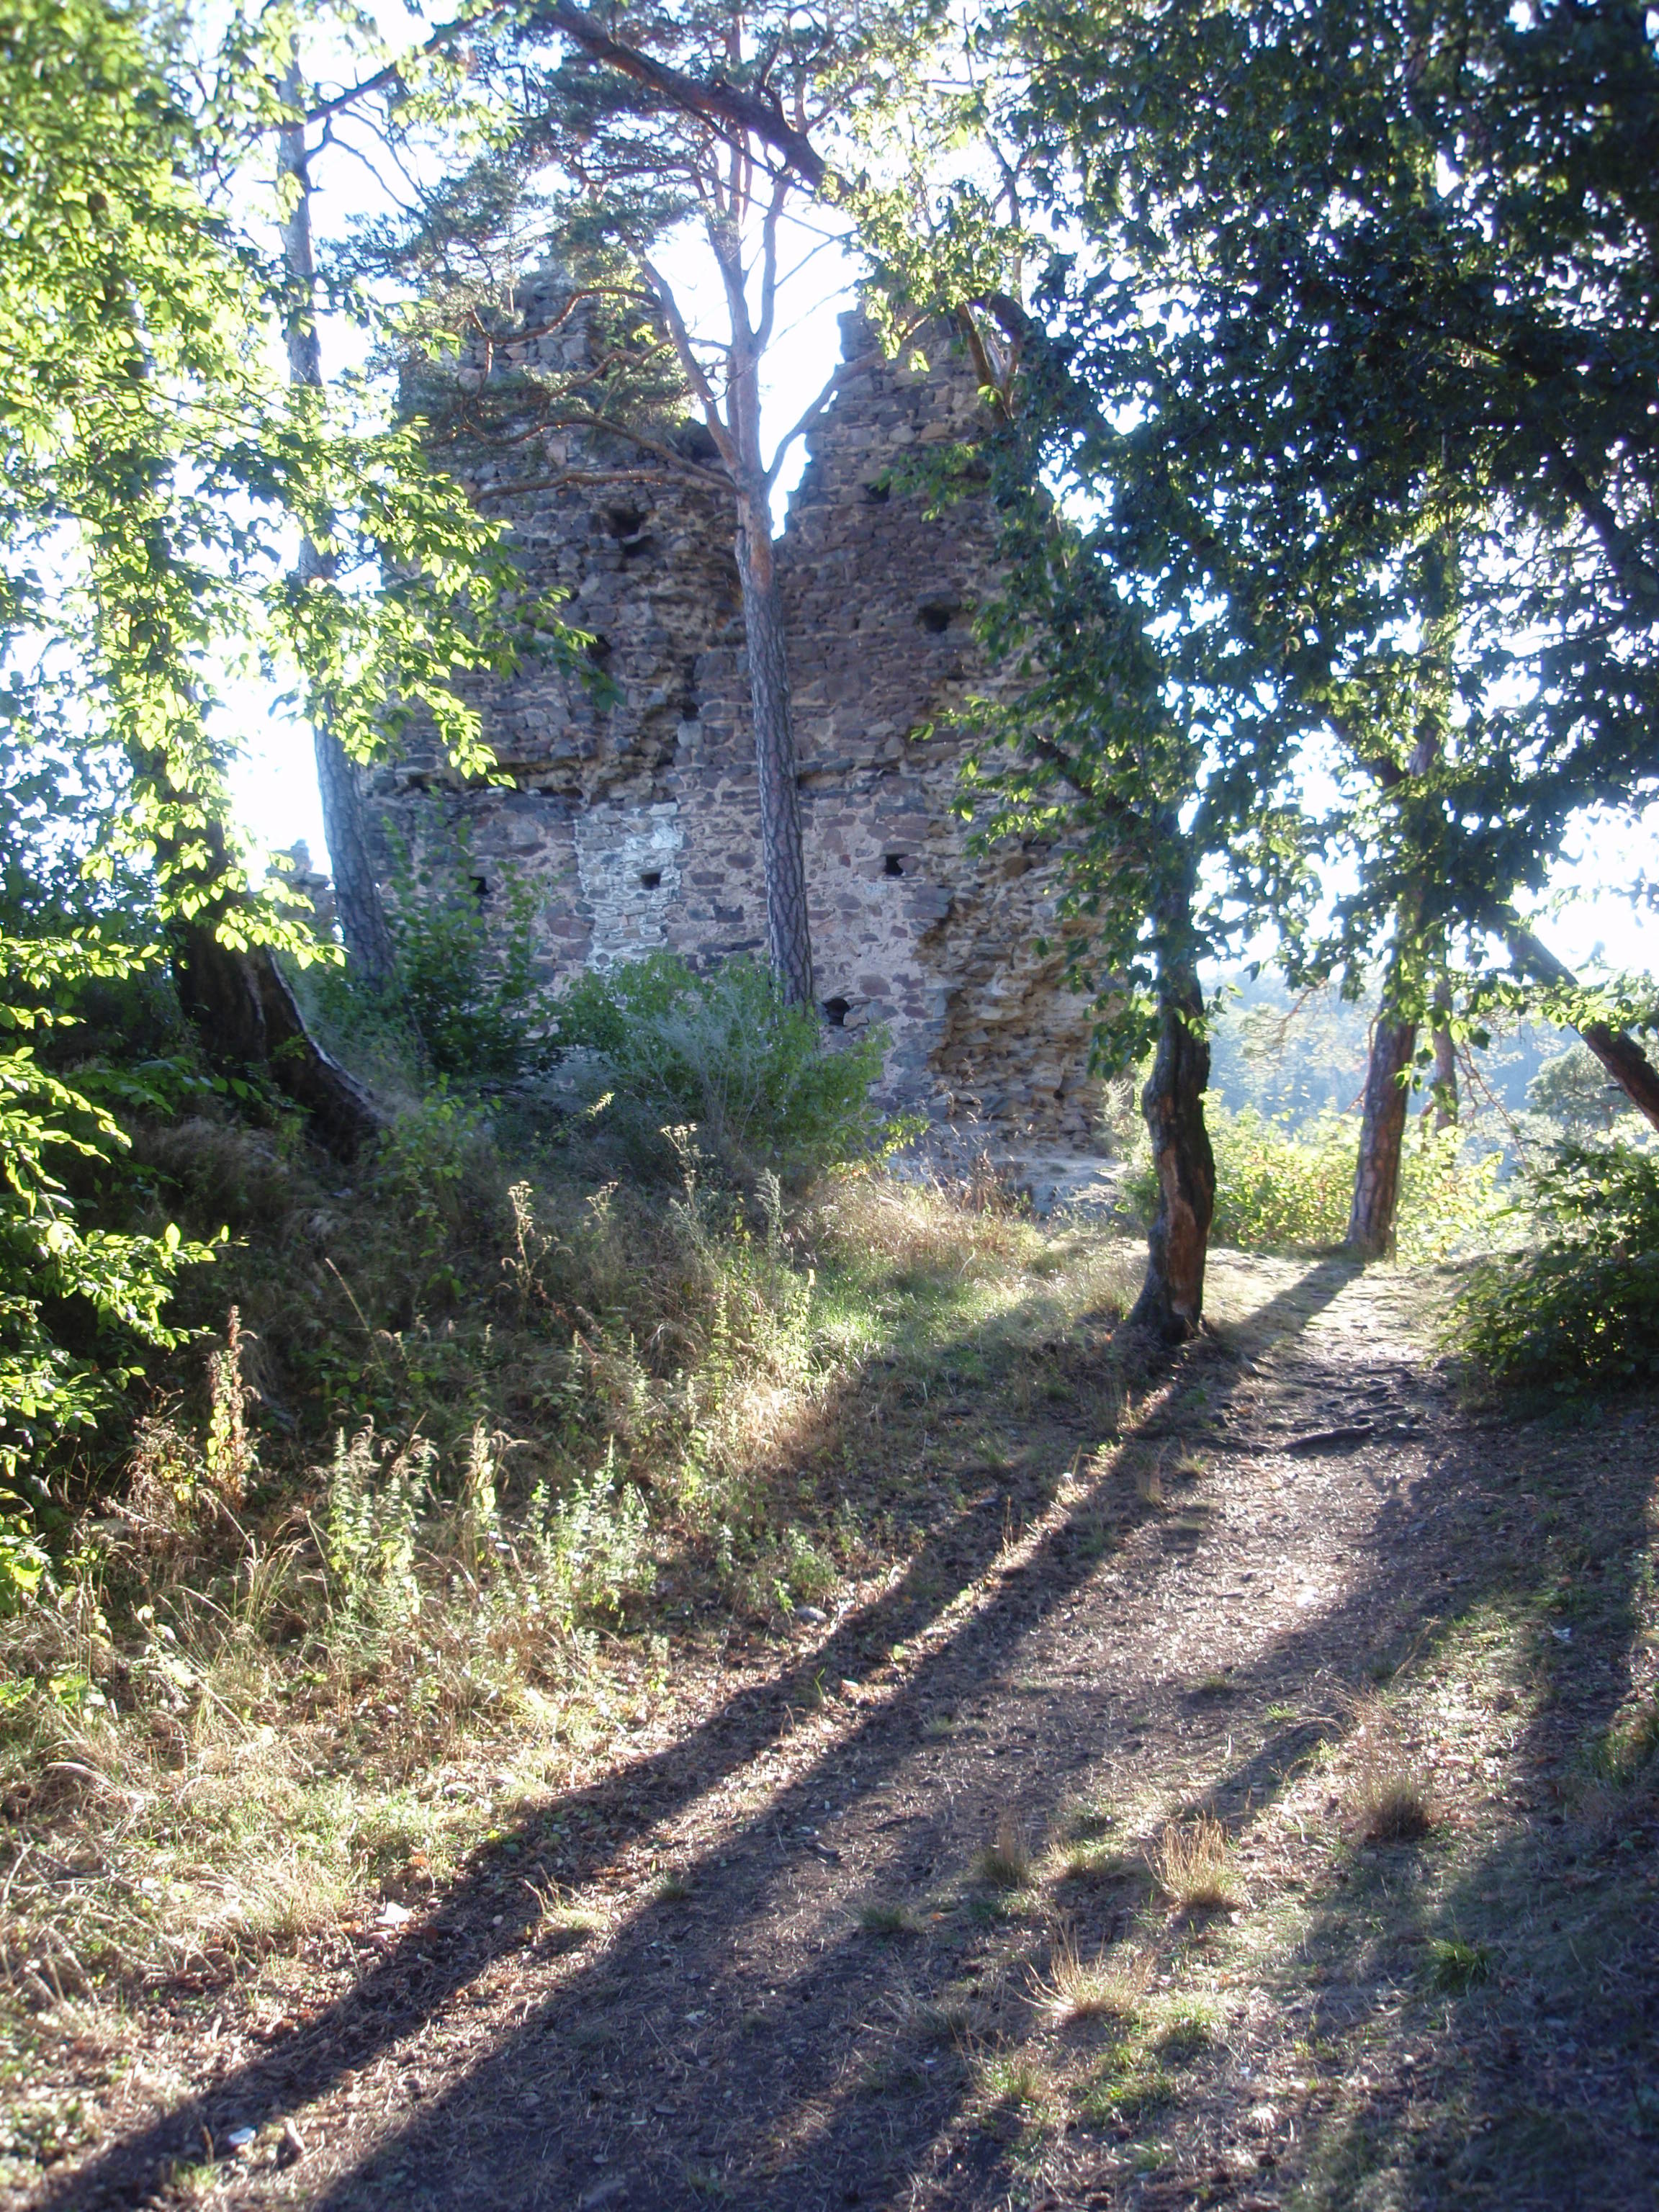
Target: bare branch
{"points": [[690, 366], [842, 371]]}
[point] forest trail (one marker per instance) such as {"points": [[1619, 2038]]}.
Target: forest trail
{"points": [[769, 1964]]}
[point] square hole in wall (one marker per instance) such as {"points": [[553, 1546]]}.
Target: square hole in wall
{"points": [[893, 865], [651, 880], [835, 1011]]}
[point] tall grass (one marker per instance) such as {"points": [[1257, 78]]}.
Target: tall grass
{"points": [[415, 1538]]}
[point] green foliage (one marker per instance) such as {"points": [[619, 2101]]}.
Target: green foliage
{"points": [[376, 1493], [1281, 1187], [1386, 472], [77, 1304], [1582, 1305], [1573, 1088], [154, 467], [466, 979], [722, 1050], [424, 1170]]}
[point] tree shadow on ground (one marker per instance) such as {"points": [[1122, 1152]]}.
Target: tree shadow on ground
{"points": [[1509, 1961], [678, 2059]]}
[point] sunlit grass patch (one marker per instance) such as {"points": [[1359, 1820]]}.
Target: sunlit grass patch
{"points": [[1192, 1863], [1005, 1862], [1185, 2031], [1076, 1987], [1128, 2084]]}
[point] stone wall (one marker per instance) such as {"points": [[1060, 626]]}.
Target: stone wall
{"points": [[638, 816]]}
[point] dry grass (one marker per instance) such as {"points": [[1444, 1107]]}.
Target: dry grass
{"points": [[1389, 1801], [1076, 1987], [290, 1686], [955, 2016], [1006, 1863], [1191, 1862]]}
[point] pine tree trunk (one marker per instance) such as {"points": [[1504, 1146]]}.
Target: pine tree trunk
{"points": [[1382, 1138], [789, 938], [1171, 1301], [346, 825]]}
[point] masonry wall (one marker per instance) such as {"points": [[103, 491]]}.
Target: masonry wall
{"points": [[638, 818]]}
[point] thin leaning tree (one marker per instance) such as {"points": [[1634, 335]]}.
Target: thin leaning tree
{"points": [[671, 143]]}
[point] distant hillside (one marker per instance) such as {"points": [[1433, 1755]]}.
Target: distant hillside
{"points": [[1291, 1058]]}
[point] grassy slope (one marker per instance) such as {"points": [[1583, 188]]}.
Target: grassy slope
{"points": [[211, 1810]]}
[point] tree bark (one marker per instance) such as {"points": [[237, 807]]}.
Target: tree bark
{"points": [[352, 850], [1622, 1057], [242, 1007], [1446, 1080], [789, 939], [1381, 1137], [1171, 1301]]}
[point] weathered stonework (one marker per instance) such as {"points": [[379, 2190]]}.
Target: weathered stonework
{"points": [[638, 818]]}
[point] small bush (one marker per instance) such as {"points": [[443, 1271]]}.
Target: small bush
{"points": [[1583, 1305], [464, 999], [724, 1051]]}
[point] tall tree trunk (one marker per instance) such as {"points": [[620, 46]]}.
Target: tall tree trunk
{"points": [[789, 938], [1382, 1134], [1622, 1057], [1445, 1053], [1171, 1301], [347, 825]]}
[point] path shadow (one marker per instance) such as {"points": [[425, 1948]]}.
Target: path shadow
{"points": [[484, 2138]]}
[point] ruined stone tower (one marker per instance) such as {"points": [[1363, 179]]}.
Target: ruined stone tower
{"points": [[638, 819]]}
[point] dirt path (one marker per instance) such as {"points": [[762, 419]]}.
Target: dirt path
{"points": [[764, 1968]]}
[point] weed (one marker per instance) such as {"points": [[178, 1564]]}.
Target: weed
{"points": [[1633, 1742], [1128, 2084], [560, 1922], [1185, 2033], [1455, 1966], [1080, 1989], [879, 1919], [1006, 1861], [1192, 1865], [1388, 1803]]}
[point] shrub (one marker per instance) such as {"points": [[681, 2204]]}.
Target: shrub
{"points": [[1279, 1187], [723, 1050], [79, 1306], [1583, 1304], [464, 990]]}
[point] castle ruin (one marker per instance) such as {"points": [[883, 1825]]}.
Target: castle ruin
{"points": [[637, 820]]}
